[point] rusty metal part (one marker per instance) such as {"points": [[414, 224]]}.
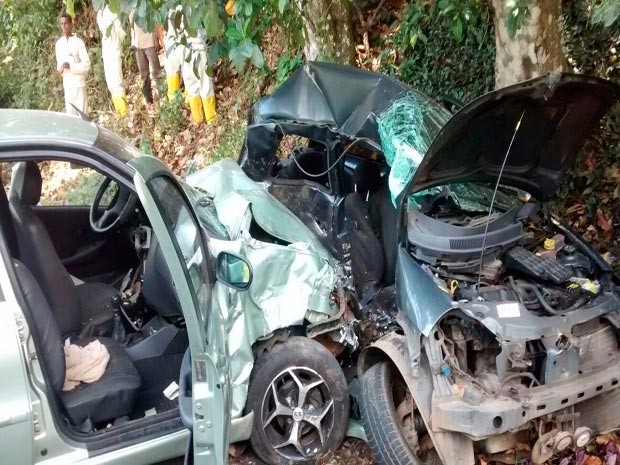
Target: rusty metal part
{"points": [[544, 448], [452, 448]]}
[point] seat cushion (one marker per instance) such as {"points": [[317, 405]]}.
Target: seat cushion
{"points": [[110, 397], [96, 309]]}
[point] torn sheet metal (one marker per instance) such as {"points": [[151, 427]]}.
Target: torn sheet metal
{"points": [[320, 101], [293, 274]]}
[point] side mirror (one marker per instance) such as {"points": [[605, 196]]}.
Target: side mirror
{"points": [[234, 271]]}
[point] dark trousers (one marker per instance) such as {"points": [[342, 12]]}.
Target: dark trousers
{"points": [[147, 57]]}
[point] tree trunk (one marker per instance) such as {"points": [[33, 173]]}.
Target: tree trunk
{"points": [[327, 30], [536, 48]]}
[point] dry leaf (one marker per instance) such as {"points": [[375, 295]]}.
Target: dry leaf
{"points": [[603, 439], [592, 460], [577, 208], [603, 222]]}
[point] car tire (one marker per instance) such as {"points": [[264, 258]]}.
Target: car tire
{"points": [[305, 429], [379, 417]]}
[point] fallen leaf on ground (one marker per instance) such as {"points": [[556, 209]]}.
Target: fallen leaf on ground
{"points": [[592, 460], [602, 221]]}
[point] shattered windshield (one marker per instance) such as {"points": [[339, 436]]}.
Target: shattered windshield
{"points": [[407, 129], [468, 197]]}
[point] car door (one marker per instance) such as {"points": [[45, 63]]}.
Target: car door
{"points": [[185, 248]]}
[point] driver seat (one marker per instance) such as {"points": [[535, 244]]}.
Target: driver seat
{"points": [[85, 310]]}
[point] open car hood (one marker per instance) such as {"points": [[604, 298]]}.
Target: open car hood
{"points": [[557, 111]]}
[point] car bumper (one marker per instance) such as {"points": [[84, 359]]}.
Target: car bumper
{"points": [[499, 415]]}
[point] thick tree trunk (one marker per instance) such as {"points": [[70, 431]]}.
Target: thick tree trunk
{"points": [[327, 30], [537, 47]]}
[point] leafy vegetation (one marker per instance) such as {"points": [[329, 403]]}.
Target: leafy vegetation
{"points": [[234, 30], [591, 191], [27, 61], [422, 54]]}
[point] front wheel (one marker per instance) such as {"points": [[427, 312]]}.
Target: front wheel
{"points": [[300, 401], [395, 429]]}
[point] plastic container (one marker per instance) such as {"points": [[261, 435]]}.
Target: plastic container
{"points": [[578, 262], [551, 246]]}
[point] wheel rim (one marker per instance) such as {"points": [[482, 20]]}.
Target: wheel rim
{"points": [[297, 413]]}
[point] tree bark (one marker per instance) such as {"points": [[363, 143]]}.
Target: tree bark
{"points": [[327, 30], [536, 48]]}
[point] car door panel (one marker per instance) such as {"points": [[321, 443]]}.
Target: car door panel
{"points": [[185, 248]]}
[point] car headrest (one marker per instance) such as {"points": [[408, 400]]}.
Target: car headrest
{"points": [[26, 183]]}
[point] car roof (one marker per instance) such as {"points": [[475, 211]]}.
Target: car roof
{"points": [[37, 125]]}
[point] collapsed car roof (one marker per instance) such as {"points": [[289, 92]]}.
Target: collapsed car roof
{"points": [[320, 101], [554, 114]]}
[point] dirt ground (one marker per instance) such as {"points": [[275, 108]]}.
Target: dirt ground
{"points": [[352, 451]]}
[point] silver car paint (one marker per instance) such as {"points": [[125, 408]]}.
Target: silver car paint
{"points": [[291, 283]]}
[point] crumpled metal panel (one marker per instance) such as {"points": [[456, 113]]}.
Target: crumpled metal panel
{"points": [[419, 297], [292, 279], [319, 101]]}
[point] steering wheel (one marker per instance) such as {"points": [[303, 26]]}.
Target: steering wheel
{"points": [[120, 207]]}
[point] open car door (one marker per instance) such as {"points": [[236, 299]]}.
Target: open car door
{"points": [[204, 387]]}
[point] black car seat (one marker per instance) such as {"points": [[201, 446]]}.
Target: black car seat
{"points": [[84, 310], [384, 218], [112, 396], [366, 254]]}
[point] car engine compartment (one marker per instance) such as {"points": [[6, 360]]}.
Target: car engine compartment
{"points": [[533, 331], [527, 257]]}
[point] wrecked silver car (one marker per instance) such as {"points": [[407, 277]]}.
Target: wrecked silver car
{"points": [[291, 384], [489, 321]]}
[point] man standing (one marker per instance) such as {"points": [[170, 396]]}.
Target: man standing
{"points": [[199, 85], [73, 63], [175, 52], [112, 36], [146, 55]]}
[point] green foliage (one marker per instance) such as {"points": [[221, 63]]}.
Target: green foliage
{"points": [[518, 15], [595, 181], [85, 187], [27, 60], [459, 16], [171, 119], [286, 65], [145, 146], [237, 37], [424, 54], [231, 141]]}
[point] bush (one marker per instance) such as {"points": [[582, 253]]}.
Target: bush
{"points": [[425, 54], [592, 49], [27, 61], [27, 55]]}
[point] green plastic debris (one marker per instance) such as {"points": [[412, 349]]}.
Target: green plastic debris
{"points": [[407, 129]]}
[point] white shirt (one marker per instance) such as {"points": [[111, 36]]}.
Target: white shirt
{"points": [[73, 51], [141, 39], [110, 26]]}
